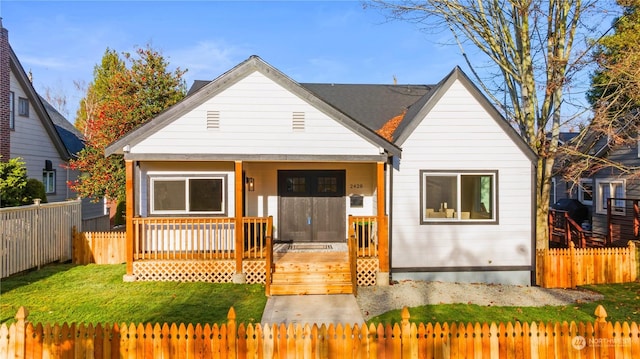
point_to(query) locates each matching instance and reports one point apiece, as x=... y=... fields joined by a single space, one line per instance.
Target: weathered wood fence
x=571 y=267
x=600 y=339
x=35 y=235
x=99 y=247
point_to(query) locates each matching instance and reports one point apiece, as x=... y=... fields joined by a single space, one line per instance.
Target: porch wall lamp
x=251 y=184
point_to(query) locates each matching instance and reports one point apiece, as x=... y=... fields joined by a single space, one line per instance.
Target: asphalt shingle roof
x=371 y=105
x=70 y=136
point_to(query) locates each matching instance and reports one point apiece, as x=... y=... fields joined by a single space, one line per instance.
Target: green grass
x=96 y=294
x=621 y=301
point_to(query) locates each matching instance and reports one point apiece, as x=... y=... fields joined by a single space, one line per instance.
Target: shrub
x=13 y=180
x=34 y=189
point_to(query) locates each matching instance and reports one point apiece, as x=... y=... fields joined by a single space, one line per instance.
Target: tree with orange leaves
x=118 y=100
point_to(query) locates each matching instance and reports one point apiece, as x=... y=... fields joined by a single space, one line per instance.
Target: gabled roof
x=418 y=111
x=385 y=114
x=43 y=113
x=203 y=91
x=372 y=105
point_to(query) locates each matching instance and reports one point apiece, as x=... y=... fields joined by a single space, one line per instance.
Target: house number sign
x=356 y=186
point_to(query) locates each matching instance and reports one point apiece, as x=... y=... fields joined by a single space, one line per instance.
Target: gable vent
x=213 y=120
x=298 y=122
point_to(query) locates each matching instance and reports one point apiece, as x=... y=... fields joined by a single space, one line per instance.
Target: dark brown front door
x=311 y=205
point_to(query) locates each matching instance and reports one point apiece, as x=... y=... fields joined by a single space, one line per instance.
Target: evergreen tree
x=118 y=100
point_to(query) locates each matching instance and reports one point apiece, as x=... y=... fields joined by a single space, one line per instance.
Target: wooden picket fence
x=36 y=235
x=571 y=267
x=99 y=247
x=600 y=339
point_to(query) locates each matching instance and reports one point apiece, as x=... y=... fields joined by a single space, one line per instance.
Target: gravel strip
x=376 y=300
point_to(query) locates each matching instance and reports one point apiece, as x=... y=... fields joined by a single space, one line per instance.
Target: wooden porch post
x=239 y=277
x=383 y=231
x=130 y=205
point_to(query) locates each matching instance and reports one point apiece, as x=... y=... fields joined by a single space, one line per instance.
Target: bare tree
x=615 y=97
x=58 y=99
x=87 y=109
x=530 y=48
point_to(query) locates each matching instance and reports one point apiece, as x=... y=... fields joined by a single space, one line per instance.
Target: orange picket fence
x=600 y=339
x=571 y=267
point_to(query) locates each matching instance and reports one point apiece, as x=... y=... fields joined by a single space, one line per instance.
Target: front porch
x=219 y=250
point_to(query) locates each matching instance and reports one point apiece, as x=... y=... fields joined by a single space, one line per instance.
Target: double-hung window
x=23 y=107
x=585 y=191
x=610 y=188
x=197 y=194
x=49 y=181
x=466 y=196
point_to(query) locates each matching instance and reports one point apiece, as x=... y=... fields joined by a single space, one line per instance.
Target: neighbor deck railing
x=197 y=237
x=365 y=231
x=563 y=229
x=623 y=219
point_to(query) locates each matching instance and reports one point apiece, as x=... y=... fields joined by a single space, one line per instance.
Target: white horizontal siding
x=256 y=118
x=459 y=135
x=31 y=142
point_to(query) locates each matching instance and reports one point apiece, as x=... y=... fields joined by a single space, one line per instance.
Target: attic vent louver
x=213 y=120
x=298 y=122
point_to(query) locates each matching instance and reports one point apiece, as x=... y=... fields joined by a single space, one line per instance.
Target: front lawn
x=96 y=294
x=621 y=301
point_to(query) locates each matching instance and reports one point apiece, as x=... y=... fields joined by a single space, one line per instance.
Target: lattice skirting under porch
x=219 y=271
x=367 y=271
x=255 y=271
x=222 y=271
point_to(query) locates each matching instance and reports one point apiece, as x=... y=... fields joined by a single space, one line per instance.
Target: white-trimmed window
x=12 y=110
x=49 y=181
x=610 y=188
x=198 y=194
x=552 y=194
x=585 y=191
x=465 y=196
x=23 y=107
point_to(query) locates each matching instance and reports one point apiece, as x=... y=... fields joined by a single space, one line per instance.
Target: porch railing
x=365 y=231
x=256 y=231
x=353 y=263
x=197 y=237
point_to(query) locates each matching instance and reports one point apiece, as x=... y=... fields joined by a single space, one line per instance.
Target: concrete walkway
x=319 y=309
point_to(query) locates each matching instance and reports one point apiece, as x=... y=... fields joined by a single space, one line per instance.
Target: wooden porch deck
x=204 y=249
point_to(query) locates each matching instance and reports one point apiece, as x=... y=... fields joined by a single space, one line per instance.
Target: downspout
x=534 y=269
x=389 y=169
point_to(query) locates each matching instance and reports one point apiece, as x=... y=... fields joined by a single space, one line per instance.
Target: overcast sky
x=311 y=41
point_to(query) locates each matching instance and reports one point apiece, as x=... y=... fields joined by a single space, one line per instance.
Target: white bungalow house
x=423 y=181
